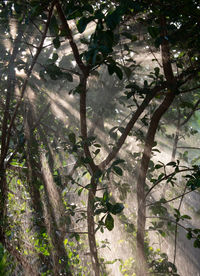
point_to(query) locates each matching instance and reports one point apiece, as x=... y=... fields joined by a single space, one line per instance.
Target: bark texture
x=141 y=198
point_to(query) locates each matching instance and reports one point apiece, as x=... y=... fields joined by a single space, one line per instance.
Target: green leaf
x=56 y=42
x=18 y=8
x=99 y=211
x=82 y=23
x=109 y=222
x=72 y=137
x=69 y=77
x=54 y=57
x=98 y=14
x=189 y=235
x=126 y=48
x=88 y=8
x=157 y=71
x=80 y=191
x=113 y=19
x=158 y=41
x=77 y=236
x=185 y=217
x=110 y=69
x=186 y=104
x=97 y=151
x=118 y=72
x=127 y=71
x=97 y=145
x=118 y=170
x=173 y=164
x=53 y=71
x=117 y=208
x=53 y=27
x=121 y=129
x=163 y=234
x=153 y=31
x=109 y=207
x=118 y=161
x=105 y=196
x=197 y=243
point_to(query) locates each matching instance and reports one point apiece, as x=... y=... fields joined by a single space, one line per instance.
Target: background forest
x=99 y=148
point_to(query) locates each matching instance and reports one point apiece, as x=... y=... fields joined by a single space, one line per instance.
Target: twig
x=155 y=57
x=166 y=177
x=36 y=26
x=191 y=113
x=168 y=219
x=172 y=199
x=130 y=125
x=189 y=90
x=188 y=148
x=176 y=229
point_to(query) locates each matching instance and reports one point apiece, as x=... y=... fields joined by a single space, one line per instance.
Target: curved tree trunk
x=141 y=215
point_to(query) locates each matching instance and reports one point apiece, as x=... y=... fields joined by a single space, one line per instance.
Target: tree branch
x=176 y=229
x=188 y=148
x=167 y=201
x=191 y=113
x=164 y=178
x=168 y=219
x=130 y=125
x=84 y=69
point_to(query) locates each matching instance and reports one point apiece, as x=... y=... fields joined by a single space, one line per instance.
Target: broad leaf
x=109 y=222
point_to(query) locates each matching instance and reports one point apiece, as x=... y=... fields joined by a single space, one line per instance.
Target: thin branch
x=29 y=44
x=172 y=199
x=189 y=90
x=188 y=148
x=84 y=69
x=63 y=69
x=75 y=232
x=155 y=57
x=36 y=26
x=130 y=125
x=191 y=113
x=166 y=177
x=176 y=229
x=50 y=44
x=70 y=71
x=168 y=219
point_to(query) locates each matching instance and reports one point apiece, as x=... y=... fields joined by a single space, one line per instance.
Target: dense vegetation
x=80 y=109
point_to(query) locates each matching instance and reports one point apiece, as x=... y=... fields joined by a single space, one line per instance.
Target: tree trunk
x=53 y=205
x=3 y=204
x=32 y=153
x=5 y=137
x=91 y=229
x=141 y=215
x=54 y=212
x=176 y=138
